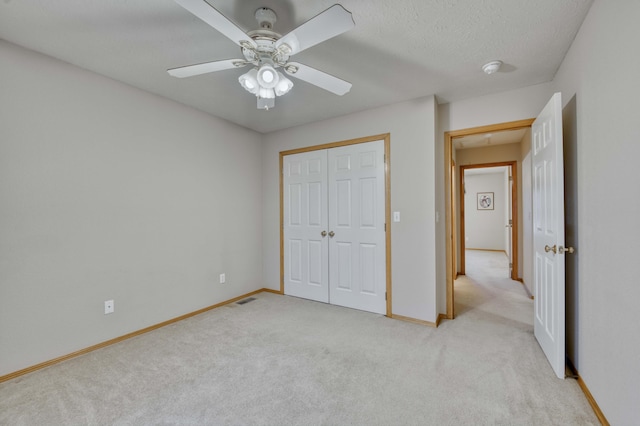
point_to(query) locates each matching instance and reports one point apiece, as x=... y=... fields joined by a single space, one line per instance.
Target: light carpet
x=280 y=360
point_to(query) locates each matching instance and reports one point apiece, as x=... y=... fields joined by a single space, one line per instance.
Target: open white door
x=548 y=233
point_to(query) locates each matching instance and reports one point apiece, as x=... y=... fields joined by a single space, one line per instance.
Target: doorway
x=334 y=210
x=499 y=219
x=451 y=224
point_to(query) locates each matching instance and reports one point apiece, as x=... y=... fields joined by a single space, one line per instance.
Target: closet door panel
x=357 y=257
x=304 y=220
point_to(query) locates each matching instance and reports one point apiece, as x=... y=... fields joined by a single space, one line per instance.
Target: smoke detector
x=491 y=67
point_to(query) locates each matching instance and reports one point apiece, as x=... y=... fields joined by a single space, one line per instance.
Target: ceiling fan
x=267 y=51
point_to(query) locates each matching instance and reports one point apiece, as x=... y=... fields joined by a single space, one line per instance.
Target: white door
x=357 y=255
x=334 y=230
x=305 y=222
x=548 y=233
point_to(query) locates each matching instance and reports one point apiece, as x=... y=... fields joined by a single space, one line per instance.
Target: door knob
x=569 y=250
x=331 y=234
x=323 y=233
x=548 y=249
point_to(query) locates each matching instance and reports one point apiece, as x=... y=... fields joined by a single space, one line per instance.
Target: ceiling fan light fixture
x=267 y=76
x=249 y=81
x=283 y=86
x=266 y=93
x=267 y=50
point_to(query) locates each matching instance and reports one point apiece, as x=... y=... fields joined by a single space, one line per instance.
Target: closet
x=334 y=239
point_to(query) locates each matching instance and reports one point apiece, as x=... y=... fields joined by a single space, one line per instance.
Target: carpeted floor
x=284 y=361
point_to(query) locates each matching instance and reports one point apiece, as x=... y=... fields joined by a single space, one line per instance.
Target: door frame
x=386 y=137
x=514 y=213
x=450 y=231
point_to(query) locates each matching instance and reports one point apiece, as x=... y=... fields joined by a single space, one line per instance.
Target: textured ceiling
x=399 y=50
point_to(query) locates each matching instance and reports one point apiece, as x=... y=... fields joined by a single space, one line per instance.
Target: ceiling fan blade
x=318 y=78
x=328 y=24
x=217 y=20
x=191 y=70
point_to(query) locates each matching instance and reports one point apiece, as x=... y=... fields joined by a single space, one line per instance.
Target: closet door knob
x=331 y=234
x=323 y=233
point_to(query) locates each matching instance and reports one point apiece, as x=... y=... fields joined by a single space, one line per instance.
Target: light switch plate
x=396 y=216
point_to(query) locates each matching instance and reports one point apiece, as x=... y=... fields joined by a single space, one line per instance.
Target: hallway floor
x=487 y=287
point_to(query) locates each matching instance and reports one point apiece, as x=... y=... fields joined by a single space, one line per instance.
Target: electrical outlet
x=223 y=278
x=109 y=307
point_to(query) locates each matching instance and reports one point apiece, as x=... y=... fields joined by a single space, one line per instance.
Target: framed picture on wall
x=485 y=200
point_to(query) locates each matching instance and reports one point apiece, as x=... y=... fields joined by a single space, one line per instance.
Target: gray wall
x=601 y=95
x=485 y=229
x=109 y=192
x=411 y=125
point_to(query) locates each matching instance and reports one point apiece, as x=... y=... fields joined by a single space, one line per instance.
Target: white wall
x=500 y=107
x=484 y=229
x=109 y=192
x=411 y=125
x=601 y=93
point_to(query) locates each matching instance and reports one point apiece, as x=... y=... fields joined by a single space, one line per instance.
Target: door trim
x=450 y=233
x=386 y=137
x=514 y=213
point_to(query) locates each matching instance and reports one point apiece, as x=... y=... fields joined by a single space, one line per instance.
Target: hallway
x=487 y=288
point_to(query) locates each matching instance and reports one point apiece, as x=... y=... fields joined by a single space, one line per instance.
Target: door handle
x=569 y=250
x=331 y=234
x=323 y=233
x=547 y=249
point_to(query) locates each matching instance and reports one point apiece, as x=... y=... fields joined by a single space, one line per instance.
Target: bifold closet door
x=333 y=219
x=305 y=225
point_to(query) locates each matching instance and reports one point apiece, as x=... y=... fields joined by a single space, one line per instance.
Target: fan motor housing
x=266 y=18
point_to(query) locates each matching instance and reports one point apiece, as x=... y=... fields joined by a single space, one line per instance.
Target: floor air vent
x=242 y=302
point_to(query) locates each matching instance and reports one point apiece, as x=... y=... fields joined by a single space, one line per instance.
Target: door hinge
x=385 y=296
x=510 y=178
x=510 y=265
x=385 y=227
x=510 y=221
